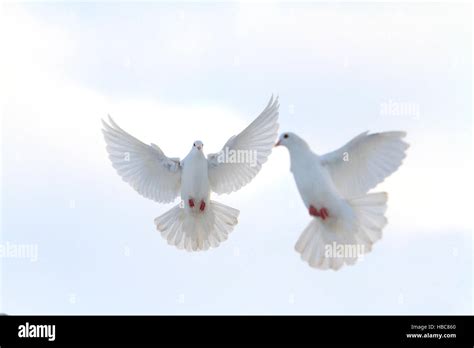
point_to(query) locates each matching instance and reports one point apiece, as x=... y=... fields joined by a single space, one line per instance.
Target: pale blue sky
x=172 y=73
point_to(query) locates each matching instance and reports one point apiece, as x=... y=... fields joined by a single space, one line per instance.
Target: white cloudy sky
x=172 y=73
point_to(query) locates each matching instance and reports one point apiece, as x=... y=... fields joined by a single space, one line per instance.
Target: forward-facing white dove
x=346 y=219
x=197 y=223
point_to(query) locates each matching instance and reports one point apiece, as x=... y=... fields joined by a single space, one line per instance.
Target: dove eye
x=194 y=144
x=285 y=136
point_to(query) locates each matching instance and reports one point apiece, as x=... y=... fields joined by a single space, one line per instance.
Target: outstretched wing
x=242 y=156
x=365 y=161
x=144 y=167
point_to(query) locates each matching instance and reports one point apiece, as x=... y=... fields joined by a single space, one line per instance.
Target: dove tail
x=196 y=230
x=334 y=242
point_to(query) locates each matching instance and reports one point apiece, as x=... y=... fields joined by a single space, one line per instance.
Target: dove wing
x=256 y=142
x=144 y=167
x=365 y=161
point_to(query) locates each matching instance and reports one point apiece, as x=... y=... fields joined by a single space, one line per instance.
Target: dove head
x=290 y=141
x=198 y=145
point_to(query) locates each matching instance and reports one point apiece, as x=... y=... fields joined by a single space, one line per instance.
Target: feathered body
x=195 y=178
x=314 y=182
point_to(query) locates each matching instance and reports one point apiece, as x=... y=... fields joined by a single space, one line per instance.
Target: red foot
x=313 y=211
x=191 y=202
x=322 y=213
x=202 y=206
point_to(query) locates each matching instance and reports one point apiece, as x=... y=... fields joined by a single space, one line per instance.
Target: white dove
x=197 y=223
x=347 y=220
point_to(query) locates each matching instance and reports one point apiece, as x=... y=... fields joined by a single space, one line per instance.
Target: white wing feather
x=144 y=167
x=365 y=161
x=256 y=141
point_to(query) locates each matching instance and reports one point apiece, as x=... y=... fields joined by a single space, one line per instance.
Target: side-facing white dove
x=198 y=222
x=346 y=219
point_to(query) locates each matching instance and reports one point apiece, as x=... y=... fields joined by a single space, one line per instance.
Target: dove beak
x=277 y=144
x=199 y=148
